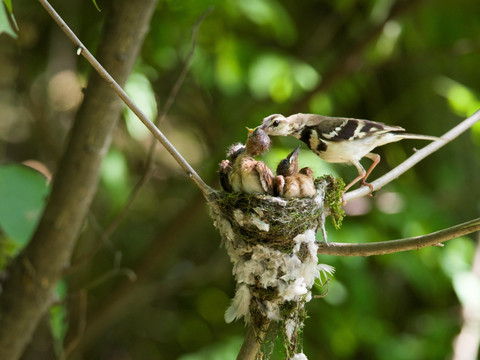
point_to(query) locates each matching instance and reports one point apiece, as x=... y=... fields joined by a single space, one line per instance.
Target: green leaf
x=5 y=26
x=22 y=197
x=8 y=4
x=95 y=3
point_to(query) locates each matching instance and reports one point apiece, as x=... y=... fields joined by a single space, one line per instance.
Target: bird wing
x=307 y=171
x=235 y=150
x=340 y=129
x=278 y=185
x=224 y=170
x=266 y=177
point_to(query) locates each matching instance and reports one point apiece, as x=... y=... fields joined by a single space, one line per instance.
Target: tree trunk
x=32 y=277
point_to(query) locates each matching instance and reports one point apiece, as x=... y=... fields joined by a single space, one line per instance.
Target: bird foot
x=364 y=183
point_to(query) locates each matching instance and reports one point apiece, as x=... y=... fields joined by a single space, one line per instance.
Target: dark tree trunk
x=27 y=292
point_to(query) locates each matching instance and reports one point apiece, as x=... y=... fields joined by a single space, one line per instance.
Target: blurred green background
x=160 y=284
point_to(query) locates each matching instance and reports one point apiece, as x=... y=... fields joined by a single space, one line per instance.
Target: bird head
x=234 y=150
x=289 y=165
x=276 y=124
x=258 y=141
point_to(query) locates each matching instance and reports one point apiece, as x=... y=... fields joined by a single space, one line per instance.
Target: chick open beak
x=293 y=155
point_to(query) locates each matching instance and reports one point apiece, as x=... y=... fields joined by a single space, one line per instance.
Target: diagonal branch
x=415 y=158
x=393 y=246
x=82 y=50
x=105 y=235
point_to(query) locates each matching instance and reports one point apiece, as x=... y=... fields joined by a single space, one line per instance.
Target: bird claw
x=364 y=183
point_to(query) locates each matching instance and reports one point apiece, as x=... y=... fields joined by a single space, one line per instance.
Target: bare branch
x=82 y=324
x=252 y=343
x=82 y=50
x=393 y=246
x=415 y=158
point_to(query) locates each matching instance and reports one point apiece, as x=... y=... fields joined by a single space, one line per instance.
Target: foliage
x=6 y=13
x=22 y=192
x=417 y=69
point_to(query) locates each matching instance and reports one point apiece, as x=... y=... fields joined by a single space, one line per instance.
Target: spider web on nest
x=272 y=245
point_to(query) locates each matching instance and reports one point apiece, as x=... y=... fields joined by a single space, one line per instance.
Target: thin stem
x=394 y=246
x=415 y=158
x=126 y=99
x=82 y=324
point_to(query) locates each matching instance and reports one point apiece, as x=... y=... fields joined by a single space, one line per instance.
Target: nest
x=271 y=243
x=263 y=219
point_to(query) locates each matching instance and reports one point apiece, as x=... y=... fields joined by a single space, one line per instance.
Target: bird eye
x=275 y=123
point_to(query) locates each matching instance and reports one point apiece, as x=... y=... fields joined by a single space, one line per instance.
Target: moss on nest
x=284 y=218
x=333 y=199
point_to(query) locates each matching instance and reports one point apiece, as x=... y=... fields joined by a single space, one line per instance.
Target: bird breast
x=298 y=186
x=245 y=178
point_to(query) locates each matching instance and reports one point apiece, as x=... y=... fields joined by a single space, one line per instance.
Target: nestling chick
x=248 y=175
x=225 y=166
x=339 y=140
x=291 y=183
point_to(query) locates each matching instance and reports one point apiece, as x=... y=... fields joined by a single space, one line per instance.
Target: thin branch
x=415 y=158
x=350 y=59
x=394 y=246
x=82 y=50
x=186 y=66
x=81 y=326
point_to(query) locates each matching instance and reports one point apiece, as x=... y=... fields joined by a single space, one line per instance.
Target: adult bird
x=339 y=140
x=248 y=175
x=291 y=182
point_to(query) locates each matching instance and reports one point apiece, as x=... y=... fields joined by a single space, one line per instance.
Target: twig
x=186 y=66
x=350 y=60
x=415 y=158
x=82 y=324
x=82 y=50
x=393 y=246
x=116 y=270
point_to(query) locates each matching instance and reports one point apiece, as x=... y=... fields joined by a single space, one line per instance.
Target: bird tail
x=417 y=136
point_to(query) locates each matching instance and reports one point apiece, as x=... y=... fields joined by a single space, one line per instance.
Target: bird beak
x=293 y=155
x=249 y=130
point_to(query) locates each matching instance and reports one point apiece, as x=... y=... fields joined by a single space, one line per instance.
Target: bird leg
x=361 y=175
x=376 y=159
